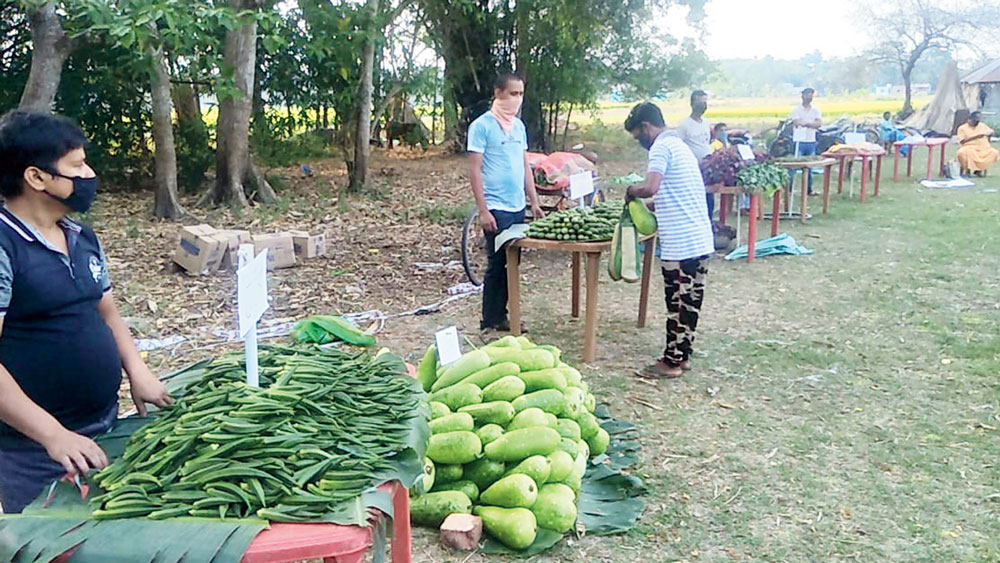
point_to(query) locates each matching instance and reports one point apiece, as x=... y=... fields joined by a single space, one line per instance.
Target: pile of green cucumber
x=321 y=427
x=578 y=224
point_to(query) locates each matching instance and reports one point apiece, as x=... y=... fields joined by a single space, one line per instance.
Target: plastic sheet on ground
x=957 y=183
x=781 y=244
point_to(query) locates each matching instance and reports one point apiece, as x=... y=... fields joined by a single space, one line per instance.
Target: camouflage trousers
x=684 y=287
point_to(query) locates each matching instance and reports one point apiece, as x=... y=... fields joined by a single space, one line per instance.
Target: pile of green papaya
x=512 y=428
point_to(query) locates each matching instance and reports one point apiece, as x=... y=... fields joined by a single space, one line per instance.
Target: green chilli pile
x=319 y=431
x=578 y=224
x=512 y=429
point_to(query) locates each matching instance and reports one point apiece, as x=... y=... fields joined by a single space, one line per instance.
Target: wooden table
x=593 y=251
x=726 y=194
x=930 y=143
x=827 y=165
x=865 y=156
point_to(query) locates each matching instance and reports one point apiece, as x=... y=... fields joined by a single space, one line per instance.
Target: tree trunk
x=908 y=88
x=166 y=204
x=50 y=47
x=359 y=173
x=234 y=171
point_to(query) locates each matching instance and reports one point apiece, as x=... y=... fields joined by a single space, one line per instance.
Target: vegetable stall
x=334 y=437
x=606 y=227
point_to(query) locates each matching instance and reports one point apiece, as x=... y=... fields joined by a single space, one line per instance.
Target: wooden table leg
x=647 y=273
x=402 y=547
x=514 y=287
x=864 y=177
x=840 y=180
x=895 y=163
x=752 y=229
x=590 y=327
x=576 y=285
x=878 y=173
x=723 y=208
x=776 y=213
x=827 y=172
x=942 y=159
x=930 y=161
x=909 y=160
x=806 y=174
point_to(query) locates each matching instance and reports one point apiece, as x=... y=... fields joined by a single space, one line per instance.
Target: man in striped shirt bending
x=673 y=180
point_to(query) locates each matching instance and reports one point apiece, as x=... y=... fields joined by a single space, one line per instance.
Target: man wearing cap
x=807 y=119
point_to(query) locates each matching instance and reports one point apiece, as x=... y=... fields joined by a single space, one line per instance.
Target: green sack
x=624 y=262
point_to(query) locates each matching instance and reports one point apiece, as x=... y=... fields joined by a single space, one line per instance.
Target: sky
x=783 y=29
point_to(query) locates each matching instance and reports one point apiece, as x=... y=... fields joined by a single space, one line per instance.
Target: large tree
x=50 y=47
x=910 y=29
x=568 y=51
x=236 y=177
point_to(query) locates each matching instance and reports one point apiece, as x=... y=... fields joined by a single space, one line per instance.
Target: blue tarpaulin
x=781 y=244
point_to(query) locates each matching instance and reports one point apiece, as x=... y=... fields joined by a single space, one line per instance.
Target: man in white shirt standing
x=673 y=180
x=807 y=119
x=697 y=135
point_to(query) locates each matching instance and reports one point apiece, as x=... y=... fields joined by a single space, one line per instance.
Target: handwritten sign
x=251 y=292
x=581 y=185
x=746 y=153
x=854 y=138
x=449 y=348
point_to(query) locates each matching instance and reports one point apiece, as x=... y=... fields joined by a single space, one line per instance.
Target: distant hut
x=981 y=87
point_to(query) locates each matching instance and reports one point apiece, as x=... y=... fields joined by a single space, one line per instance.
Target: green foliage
x=276 y=151
x=15 y=57
x=764 y=177
x=194 y=156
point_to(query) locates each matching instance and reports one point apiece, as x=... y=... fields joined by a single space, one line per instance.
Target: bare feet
x=686 y=365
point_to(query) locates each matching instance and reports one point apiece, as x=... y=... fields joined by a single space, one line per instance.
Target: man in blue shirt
x=63 y=343
x=501 y=178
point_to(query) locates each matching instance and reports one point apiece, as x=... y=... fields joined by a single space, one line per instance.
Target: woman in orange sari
x=975 y=154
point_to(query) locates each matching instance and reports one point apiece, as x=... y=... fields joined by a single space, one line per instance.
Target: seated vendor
x=63 y=343
x=975 y=154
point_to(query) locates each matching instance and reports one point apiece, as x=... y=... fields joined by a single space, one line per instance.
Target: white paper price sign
x=746 y=153
x=854 y=138
x=581 y=185
x=449 y=348
x=251 y=292
x=800 y=134
x=251 y=303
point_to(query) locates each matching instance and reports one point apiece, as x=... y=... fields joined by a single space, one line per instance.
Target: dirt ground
x=844 y=404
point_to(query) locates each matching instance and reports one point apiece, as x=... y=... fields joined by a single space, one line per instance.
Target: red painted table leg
x=864 y=177
x=895 y=163
x=752 y=228
x=909 y=160
x=930 y=161
x=942 y=159
x=402 y=547
x=840 y=179
x=776 y=213
x=806 y=175
x=878 y=172
x=723 y=208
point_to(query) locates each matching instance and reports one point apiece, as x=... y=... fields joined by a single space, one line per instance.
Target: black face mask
x=84 y=192
x=700 y=108
x=645 y=142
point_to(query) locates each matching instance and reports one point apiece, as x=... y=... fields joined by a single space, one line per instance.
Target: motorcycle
x=826 y=136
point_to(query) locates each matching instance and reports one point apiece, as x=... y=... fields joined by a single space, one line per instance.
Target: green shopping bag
x=624 y=262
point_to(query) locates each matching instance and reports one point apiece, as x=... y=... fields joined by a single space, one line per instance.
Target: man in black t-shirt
x=63 y=344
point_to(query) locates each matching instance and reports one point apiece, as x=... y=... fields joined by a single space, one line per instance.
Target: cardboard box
x=200 y=249
x=280 y=249
x=235 y=239
x=308 y=245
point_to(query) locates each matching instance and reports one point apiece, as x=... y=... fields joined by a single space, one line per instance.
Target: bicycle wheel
x=474 y=258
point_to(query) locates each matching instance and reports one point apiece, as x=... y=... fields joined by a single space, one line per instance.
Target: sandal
x=660 y=370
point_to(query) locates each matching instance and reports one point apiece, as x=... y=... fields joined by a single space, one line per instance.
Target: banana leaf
x=40 y=539
x=608 y=502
